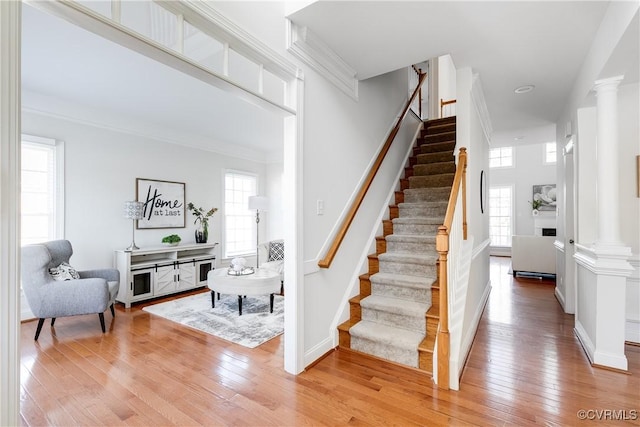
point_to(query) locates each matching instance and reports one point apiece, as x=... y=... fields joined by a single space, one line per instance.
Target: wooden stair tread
x=345 y=326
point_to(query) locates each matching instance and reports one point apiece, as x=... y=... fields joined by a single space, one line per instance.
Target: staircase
x=395 y=316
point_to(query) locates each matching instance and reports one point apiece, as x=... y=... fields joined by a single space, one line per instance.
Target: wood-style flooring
x=526 y=367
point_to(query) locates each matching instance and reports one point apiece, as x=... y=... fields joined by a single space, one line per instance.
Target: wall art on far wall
x=163 y=203
x=546 y=194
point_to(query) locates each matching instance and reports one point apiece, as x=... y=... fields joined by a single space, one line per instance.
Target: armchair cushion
x=64 y=272
x=276 y=250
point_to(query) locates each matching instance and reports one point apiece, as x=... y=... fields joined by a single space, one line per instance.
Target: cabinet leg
x=271 y=303
x=240 y=305
x=213 y=299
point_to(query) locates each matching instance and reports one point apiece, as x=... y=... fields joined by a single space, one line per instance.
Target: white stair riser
x=398 y=355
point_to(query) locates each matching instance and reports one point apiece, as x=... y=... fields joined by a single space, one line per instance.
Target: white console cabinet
x=152 y=272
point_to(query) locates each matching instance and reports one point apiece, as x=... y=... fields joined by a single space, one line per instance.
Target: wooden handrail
x=337 y=240
x=443 y=103
x=442 y=246
x=419 y=72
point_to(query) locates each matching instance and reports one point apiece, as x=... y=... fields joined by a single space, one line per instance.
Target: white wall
x=472 y=133
x=101 y=167
x=336 y=158
x=529 y=170
x=586 y=201
x=629 y=135
x=273 y=187
x=446 y=80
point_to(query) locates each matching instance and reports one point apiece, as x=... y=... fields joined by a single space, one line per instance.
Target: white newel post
x=602 y=267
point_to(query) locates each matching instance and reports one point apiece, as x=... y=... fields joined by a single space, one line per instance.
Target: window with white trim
x=239 y=221
x=42 y=170
x=501 y=157
x=500 y=216
x=550 y=155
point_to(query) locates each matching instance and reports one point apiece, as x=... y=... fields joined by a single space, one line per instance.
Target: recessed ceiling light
x=524 y=89
x=518 y=138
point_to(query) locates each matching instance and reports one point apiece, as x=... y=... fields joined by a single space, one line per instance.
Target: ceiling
x=508 y=43
x=71 y=72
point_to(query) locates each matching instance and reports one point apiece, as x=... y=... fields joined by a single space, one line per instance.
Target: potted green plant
x=172 y=239
x=202 y=220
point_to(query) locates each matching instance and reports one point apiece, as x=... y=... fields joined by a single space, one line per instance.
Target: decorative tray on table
x=244 y=272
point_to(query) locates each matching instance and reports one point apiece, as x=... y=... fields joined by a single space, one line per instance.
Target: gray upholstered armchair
x=92 y=293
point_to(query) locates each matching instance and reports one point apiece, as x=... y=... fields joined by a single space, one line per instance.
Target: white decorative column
x=603 y=267
x=607 y=155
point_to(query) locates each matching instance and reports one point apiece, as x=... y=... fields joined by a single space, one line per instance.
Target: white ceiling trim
x=197 y=11
x=311 y=50
x=111 y=30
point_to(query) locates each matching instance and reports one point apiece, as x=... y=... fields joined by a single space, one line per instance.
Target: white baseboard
x=560 y=298
x=318 y=351
x=585 y=341
x=610 y=360
x=500 y=251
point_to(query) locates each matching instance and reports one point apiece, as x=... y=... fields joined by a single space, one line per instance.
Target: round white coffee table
x=262 y=282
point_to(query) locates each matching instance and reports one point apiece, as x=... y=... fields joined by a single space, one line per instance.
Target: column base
x=601 y=292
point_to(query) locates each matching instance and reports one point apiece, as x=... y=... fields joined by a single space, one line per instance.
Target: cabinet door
x=186 y=277
x=165 y=280
x=141 y=284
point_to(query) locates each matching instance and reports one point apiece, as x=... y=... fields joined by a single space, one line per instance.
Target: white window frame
x=546 y=151
x=58 y=177
x=511 y=214
x=503 y=157
x=225 y=251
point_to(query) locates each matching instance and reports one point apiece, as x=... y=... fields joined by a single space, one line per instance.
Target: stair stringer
x=342 y=315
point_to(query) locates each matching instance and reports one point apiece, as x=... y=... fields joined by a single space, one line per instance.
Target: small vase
x=202 y=233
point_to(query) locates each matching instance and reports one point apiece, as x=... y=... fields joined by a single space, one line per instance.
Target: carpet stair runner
x=396 y=314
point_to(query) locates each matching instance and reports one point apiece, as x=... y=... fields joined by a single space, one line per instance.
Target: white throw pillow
x=64 y=272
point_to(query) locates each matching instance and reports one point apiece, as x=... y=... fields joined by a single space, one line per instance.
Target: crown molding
x=306 y=46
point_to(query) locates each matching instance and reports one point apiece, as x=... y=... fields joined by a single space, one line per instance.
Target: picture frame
x=164 y=203
x=483 y=191
x=546 y=195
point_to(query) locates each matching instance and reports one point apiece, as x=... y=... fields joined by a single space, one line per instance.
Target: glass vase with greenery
x=202 y=217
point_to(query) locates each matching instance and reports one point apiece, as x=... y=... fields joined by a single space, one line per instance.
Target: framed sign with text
x=163 y=203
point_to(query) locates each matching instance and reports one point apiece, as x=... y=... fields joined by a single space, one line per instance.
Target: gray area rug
x=254 y=327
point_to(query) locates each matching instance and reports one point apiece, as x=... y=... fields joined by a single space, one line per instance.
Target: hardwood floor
x=526 y=367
